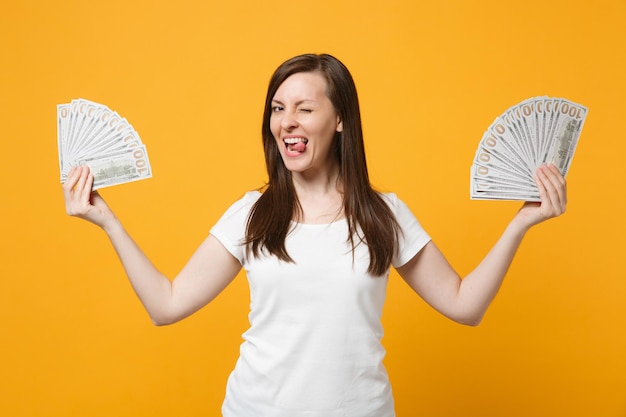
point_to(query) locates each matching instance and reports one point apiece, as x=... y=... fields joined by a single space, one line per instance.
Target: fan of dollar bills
x=91 y=134
x=536 y=131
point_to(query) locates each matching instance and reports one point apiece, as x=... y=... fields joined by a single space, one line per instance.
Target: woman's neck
x=320 y=197
x=317 y=183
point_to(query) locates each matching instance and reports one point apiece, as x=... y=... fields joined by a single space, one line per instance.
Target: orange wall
x=191 y=77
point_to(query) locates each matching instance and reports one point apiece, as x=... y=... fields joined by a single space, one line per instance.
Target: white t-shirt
x=313 y=347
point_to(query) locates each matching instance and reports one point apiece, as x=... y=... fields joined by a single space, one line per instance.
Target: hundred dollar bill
x=566 y=133
x=562 y=151
x=533 y=132
x=91 y=134
x=63 y=116
x=119 y=167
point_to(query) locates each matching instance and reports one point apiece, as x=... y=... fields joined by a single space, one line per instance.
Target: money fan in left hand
x=539 y=130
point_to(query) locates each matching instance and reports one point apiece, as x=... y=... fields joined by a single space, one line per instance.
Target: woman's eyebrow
x=303 y=101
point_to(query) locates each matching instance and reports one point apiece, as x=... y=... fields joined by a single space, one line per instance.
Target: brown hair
x=270 y=218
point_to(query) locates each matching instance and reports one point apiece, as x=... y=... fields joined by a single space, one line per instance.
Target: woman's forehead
x=302 y=86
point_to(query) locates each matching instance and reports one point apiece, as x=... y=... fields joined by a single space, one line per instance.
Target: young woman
x=316 y=243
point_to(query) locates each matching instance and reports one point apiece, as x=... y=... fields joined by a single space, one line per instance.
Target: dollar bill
x=119 y=167
x=89 y=133
x=533 y=132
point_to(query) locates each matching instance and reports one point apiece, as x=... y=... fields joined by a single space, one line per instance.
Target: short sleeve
x=413 y=237
x=230 y=229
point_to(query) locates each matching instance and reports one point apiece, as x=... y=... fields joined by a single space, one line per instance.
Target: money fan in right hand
x=536 y=131
x=91 y=134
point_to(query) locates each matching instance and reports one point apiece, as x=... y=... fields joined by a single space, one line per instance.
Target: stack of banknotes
x=91 y=134
x=536 y=131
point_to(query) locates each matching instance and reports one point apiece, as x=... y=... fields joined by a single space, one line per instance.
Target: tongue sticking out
x=297 y=147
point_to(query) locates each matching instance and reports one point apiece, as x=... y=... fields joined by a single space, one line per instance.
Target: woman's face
x=303 y=122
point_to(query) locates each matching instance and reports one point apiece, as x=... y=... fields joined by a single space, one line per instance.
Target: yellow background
x=191 y=77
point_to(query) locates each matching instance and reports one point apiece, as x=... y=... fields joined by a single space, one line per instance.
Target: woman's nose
x=289 y=121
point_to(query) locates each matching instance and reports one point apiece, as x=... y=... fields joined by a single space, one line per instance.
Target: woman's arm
x=206 y=274
x=466 y=300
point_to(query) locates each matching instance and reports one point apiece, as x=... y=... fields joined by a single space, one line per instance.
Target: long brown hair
x=271 y=216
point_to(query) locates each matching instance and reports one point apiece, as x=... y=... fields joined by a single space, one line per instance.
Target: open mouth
x=296 y=145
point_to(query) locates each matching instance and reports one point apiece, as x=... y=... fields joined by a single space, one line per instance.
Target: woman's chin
x=295 y=164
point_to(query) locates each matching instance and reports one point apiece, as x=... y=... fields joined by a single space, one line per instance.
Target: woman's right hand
x=81 y=202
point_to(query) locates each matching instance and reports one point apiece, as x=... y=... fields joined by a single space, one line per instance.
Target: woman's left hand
x=553 y=193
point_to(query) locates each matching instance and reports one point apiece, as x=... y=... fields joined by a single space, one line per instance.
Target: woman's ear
x=339 y=126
